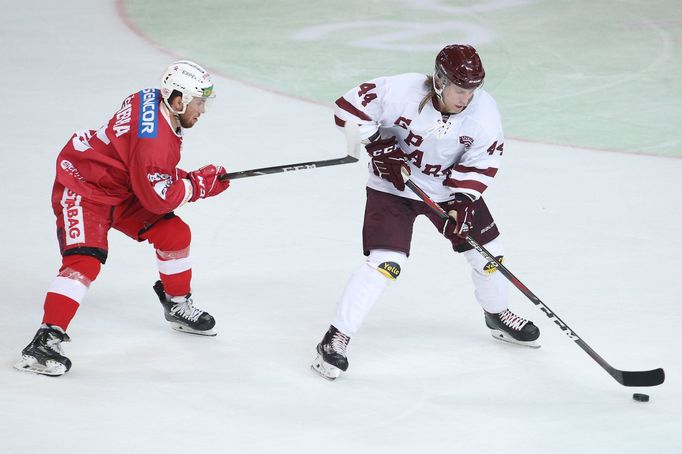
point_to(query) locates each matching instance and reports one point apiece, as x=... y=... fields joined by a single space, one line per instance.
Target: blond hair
x=431 y=92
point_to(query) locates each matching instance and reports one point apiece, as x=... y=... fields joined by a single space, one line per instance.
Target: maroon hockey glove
x=206 y=182
x=387 y=160
x=461 y=216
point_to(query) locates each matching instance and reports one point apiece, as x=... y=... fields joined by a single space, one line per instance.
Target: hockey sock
x=364 y=288
x=171 y=238
x=59 y=310
x=491 y=288
x=177 y=284
x=68 y=289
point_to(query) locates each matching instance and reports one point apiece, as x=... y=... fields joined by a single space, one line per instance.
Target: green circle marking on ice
x=589 y=74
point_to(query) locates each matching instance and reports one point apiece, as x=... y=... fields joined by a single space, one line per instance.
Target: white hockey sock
x=491 y=287
x=363 y=289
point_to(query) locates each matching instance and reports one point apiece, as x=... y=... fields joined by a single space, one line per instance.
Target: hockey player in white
x=446 y=131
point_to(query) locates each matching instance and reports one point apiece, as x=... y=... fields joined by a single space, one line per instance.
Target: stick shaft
x=626 y=378
x=288 y=168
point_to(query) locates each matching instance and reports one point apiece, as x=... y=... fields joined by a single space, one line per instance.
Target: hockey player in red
x=446 y=131
x=124 y=175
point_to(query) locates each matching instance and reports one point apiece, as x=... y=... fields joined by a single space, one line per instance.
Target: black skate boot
x=182 y=315
x=509 y=327
x=331 y=354
x=44 y=354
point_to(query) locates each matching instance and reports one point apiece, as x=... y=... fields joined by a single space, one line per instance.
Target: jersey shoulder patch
x=148 y=119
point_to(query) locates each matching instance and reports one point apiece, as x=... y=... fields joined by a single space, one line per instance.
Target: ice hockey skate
x=331 y=357
x=509 y=327
x=182 y=315
x=44 y=354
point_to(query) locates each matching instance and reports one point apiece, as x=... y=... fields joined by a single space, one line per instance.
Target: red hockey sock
x=171 y=238
x=69 y=288
x=59 y=310
x=177 y=284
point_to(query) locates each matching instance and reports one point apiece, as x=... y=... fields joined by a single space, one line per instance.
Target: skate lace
x=339 y=343
x=54 y=343
x=186 y=310
x=512 y=320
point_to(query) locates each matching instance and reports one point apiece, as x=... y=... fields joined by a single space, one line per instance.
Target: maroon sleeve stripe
x=339 y=122
x=467 y=184
x=351 y=109
x=490 y=171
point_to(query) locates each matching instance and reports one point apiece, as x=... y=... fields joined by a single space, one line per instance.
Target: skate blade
x=325 y=370
x=186 y=329
x=504 y=337
x=30 y=364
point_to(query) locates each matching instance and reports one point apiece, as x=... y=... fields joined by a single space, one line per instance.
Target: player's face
x=455 y=99
x=195 y=108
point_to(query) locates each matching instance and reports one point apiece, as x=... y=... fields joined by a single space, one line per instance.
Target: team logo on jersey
x=161 y=182
x=491 y=267
x=148 y=124
x=466 y=141
x=389 y=269
x=73 y=217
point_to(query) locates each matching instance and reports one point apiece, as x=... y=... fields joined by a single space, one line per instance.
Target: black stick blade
x=639 y=378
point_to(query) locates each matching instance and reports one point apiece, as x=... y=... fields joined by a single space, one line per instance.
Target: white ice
x=594 y=234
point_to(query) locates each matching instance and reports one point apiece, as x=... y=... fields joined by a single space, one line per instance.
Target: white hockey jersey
x=466 y=148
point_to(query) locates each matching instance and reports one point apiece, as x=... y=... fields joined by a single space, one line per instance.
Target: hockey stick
x=626 y=378
x=353 y=148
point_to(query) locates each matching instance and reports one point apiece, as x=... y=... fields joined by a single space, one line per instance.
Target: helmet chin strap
x=438 y=91
x=173 y=111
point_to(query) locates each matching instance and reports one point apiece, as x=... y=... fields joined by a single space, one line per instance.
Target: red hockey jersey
x=134 y=155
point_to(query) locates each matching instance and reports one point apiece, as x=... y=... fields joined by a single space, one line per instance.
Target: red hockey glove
x=387 y=160
x=461 y=216
x=206 y=182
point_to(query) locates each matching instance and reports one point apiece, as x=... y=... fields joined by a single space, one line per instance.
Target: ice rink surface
x=594 y=234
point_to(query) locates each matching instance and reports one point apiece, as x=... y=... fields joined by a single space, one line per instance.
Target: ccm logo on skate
x=147 y=127
x=389 y=269
x=73 y=217
x=491 y=267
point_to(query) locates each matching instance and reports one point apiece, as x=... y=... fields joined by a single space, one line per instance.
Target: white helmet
x=188 y=78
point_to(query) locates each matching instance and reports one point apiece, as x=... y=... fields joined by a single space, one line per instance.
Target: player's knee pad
x=387 y=262
x=83 y=268
x=479 y=264
x=170 y=234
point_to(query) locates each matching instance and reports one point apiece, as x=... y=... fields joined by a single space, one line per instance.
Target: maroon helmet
x=460 y=65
